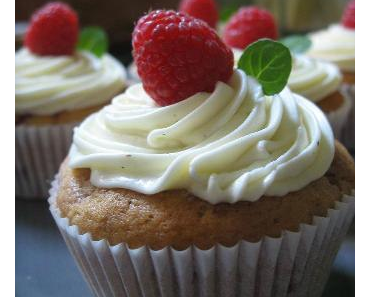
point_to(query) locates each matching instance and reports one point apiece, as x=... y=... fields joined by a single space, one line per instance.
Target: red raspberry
x=248 y=25
x=53 y=30
x=205 y=10
x=348 y=18
x=178 y=56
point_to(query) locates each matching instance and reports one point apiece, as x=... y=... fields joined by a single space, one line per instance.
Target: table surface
x=44 y=267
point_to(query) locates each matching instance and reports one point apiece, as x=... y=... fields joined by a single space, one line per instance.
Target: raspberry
x=248 y=25
x=205 y=10
x=53 y=30
x=178 y=56
x=348 y=18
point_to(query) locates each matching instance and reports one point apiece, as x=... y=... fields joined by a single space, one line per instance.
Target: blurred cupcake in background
x=61 y=76
x=320 y=82
x=336 y=44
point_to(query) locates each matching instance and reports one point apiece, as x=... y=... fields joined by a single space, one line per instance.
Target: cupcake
x=185 y=186
x=57 y=84
x=320 y=82
x=336 y=44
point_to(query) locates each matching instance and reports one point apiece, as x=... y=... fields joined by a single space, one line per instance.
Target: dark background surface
x=44 y=267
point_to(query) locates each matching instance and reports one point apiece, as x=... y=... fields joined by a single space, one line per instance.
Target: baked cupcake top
x=335 y=44
x=314 y=79
x=46 y=85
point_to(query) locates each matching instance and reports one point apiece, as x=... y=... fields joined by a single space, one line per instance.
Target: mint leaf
x=268 y=61
x=227 y=11
x=94 y=40
x=297 y=43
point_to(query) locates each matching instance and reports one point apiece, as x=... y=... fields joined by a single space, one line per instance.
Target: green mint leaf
x=297 y=43
x=94 y=40
x=268 y=61
x=227 y=11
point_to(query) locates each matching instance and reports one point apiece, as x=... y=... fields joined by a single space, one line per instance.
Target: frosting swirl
x=335 y=44
x=48 y=85
x=230 y=145
x=313 y=79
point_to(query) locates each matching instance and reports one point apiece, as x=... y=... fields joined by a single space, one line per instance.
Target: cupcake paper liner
x=39 y=151
x=348 y=134
x=339 y=118
x=295 y=264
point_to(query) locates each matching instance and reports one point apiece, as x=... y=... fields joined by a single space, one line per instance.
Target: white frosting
x=48 y=85
x=314 y=79
x=230 y=145
x=335 y=44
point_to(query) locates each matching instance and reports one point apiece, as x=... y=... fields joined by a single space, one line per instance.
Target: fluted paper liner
x=295 y=264
x=338 y=119
x=39 y=151
x=348 y=133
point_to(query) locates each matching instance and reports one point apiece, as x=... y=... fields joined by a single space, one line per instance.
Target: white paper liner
x=339 y=118
x=295 y=264
x=348 y=134
x=39 y=151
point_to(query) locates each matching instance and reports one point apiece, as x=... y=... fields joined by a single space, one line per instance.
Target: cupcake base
x=349 y=78
x=294 y=264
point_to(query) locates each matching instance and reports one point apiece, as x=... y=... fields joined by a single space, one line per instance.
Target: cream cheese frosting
x=314 y=79
x=234 y=144
x=335 y=44
x=48 y=85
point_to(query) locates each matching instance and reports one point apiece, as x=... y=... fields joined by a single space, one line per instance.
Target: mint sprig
x=268 y=61
x=297 y=43
x=93 y=39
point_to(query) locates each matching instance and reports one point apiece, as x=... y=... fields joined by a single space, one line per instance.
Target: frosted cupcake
x=336 y=44
x=320 y=82
x=186 y=186
x=56 y=87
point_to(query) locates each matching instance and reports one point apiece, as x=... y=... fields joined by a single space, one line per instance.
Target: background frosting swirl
x=335 y=44
x=48 y=85
x=230 y=145
x=313 y=79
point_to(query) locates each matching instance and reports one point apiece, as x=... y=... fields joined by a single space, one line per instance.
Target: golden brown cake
x=331 y=102
x=65 y=117
x=179 y=219
x=349 y=77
